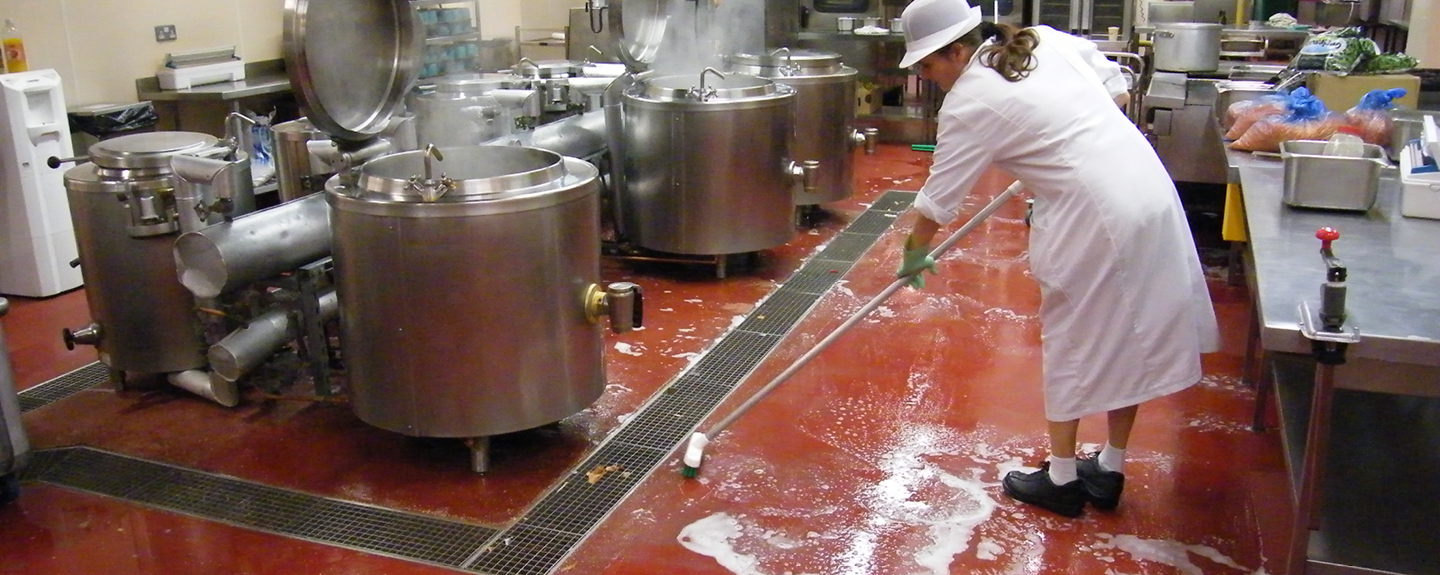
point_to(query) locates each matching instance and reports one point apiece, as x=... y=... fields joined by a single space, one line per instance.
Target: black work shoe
x=1102 y=488
x=1037 y=489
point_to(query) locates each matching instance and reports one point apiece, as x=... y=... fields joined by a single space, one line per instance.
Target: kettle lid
x=351 y=62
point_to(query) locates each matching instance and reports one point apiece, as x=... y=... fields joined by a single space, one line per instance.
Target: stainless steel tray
x=1315 y=180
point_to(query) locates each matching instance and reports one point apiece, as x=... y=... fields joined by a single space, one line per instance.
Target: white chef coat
x=1124 y=310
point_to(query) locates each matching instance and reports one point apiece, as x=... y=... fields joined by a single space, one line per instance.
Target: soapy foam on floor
x=1168 y=552
x=927 y=502
x=914 y=496
x=713 y=536
x=1210 y=422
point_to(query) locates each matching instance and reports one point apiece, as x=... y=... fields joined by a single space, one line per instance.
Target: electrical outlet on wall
x=165 y=33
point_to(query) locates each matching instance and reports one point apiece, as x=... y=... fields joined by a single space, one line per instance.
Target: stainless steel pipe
x=222 y=188
x=207 y=385
x=227 y=256
x=583 y=136
x=246 y=348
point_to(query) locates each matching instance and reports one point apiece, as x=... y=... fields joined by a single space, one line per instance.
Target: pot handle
x=1164 y=34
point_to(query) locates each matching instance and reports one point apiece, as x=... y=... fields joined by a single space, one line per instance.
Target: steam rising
x=699 y=34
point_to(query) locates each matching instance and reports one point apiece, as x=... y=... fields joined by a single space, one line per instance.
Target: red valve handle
x=1326 y=235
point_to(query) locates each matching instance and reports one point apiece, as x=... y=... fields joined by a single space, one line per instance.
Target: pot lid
x=547 y=69
x=351 y=61
x=639 y=27
x=787 y=62
x=148 y=150
x=691 y=87
x=471 y=83
x=470 y=173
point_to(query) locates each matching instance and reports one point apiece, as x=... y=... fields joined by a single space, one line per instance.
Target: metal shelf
x=1375 y=517
x=837 y=35
x=444 y=50
x=466 y=37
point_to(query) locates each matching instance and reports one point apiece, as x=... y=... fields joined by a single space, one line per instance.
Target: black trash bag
x=112 y=122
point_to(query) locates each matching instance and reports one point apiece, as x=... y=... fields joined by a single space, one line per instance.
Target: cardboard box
x=1340 y=93
x=867 y=99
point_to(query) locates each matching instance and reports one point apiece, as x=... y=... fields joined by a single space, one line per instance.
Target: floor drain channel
x=260 y=507
x=540 y=540
x=62 y=387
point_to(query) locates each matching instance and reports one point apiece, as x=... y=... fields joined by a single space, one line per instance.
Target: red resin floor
x=882 y=456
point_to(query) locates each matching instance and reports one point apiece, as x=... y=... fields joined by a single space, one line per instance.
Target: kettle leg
x=479 y=453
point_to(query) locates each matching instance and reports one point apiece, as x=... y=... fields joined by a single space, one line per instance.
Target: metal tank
x=520 y=103
x=469 y=289
x=707 y=163
x=295 y=167
x=447 y=119
x=127 y=211
x=824 y=114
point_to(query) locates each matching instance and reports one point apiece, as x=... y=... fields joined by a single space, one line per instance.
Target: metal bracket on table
x=1310 y=322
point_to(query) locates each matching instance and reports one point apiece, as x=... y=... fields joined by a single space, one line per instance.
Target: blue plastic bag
x=1371 y=117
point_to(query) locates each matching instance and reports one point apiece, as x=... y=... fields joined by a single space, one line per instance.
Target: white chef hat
x=933 y=24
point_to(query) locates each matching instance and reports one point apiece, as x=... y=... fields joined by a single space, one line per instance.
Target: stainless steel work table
x=1367 y=496
x=203 y=108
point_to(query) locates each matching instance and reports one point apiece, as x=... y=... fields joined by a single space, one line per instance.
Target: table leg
x=1308 y=503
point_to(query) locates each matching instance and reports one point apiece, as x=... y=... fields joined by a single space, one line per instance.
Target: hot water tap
x=621 y=301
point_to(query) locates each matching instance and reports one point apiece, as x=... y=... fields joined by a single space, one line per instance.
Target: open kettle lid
x=351 y=62
x=639 y=27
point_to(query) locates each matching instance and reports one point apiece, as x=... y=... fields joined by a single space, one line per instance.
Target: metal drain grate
x=261 y=507
x=64 y=386
x=547 y=533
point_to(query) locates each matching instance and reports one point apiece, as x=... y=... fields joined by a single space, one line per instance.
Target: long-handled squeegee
x=695 y=451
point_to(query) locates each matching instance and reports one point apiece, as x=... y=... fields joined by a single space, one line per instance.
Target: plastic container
x=14 y=49
x=1345 y=143
x=1420 y=192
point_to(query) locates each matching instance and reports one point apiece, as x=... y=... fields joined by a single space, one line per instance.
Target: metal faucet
x=237 y=130
x=789 y=68
x=703 y=92
x=429 y=188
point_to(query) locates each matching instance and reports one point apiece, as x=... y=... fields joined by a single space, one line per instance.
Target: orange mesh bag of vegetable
x=1372 y=115
x=1241 y=115
x=1306 y=119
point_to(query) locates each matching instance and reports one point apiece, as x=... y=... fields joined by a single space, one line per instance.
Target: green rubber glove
x=917 y=259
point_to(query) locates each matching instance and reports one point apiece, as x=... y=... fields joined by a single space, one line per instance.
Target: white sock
x=1062 y=470
x=1112 y=458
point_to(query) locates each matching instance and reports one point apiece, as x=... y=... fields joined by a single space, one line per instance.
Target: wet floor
x=881 y=456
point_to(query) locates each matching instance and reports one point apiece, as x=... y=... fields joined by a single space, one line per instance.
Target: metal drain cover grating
x=261 y=507
x=64 y=386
